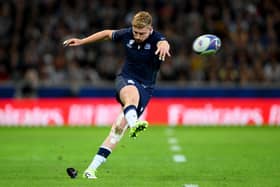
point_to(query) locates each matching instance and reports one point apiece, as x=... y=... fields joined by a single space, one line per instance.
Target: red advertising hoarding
x=160 y=111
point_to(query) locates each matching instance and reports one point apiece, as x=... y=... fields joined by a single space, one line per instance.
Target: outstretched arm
x=163 y=48
x=102 y=35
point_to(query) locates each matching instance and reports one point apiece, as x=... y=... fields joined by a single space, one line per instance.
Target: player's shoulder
x=122 y=32
x=127 y=30
x=157 y=35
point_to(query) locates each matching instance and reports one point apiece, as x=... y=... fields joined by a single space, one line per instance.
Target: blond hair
x=142 y=19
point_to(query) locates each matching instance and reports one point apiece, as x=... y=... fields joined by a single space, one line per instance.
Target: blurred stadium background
x=34 y=64
x=44 y=84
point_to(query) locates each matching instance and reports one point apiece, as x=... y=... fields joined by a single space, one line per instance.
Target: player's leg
x=115 y=135
x=117 y=131
x=130 y=97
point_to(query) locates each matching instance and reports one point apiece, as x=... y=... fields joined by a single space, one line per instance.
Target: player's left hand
x=72 y=42
x=162 y=50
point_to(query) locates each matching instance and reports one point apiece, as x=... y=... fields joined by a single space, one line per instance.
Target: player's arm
x=163 y=49
x=102 y=35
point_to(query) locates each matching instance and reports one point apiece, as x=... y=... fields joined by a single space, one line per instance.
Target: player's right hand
x=72 y=42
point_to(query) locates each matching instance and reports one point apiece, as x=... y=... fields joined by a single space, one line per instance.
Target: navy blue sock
x=104 y=152
x=128 y=108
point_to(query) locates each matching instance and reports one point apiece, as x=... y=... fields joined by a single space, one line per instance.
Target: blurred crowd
x=32 y=32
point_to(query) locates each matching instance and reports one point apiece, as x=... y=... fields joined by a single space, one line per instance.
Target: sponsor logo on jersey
x=130 y=43
x=130 y=81
x=147 y=46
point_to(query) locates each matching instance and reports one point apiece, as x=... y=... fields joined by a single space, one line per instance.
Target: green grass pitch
x=215 y=156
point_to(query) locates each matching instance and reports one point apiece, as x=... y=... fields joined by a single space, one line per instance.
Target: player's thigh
x=143 y=93
x=127 y=92
x=129 y=95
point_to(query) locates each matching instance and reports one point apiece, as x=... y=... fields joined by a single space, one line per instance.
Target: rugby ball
x=206 y=44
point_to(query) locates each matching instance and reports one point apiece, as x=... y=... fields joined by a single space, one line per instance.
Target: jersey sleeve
x=159 y=37
x=118 y=35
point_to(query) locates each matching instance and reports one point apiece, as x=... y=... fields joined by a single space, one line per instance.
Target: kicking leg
x=129 y=96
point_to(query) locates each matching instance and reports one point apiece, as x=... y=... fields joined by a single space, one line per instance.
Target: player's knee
x=130 y=100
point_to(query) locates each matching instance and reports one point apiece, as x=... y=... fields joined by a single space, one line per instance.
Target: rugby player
x=145 y=50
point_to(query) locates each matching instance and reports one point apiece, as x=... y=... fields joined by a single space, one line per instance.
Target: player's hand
x=72 y=42
x=162 y=50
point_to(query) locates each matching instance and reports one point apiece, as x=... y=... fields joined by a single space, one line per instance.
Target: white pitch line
x=172 y=140
x=191 y=185
x=179 y=158
x=175 y=148
x=169 y=132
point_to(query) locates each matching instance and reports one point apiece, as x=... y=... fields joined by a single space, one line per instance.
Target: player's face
x=140 y=35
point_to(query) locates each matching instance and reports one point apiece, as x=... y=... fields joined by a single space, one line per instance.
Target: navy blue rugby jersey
x=141 y=63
